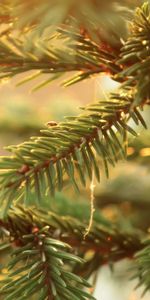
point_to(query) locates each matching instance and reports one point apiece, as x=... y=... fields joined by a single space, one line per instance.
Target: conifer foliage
x=47 y=251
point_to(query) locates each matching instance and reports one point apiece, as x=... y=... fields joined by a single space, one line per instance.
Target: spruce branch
x=142 y=267
x=62 y=52
x=38 y=166
x=107 y=243
x=136 y=55
x=79 y=50
x=42 y=272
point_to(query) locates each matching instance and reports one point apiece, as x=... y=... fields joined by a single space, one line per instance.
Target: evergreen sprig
x=38 y=166
x=57 y=54
x=142 y=267
x=106 y=242
x=36 y=268
x=136 y=55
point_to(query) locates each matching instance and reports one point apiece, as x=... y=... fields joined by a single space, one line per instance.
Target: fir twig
x=66 y=147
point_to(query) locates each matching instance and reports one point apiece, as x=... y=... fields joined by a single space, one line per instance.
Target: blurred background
x=124 y=198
